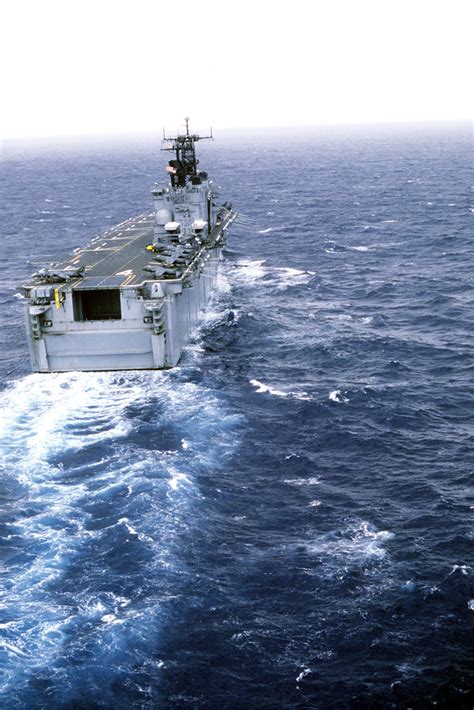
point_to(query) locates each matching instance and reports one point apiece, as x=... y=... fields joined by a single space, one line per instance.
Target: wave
x=280 y=278
x=360 y=544
x=101 y=473
x=333 y=247
x=272 y=229
x=337 y=396
x=261 y=388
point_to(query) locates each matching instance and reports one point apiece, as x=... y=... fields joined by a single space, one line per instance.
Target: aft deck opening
x=99 y=304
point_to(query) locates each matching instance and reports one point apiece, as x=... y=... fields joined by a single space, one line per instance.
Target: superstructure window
x=101 y=304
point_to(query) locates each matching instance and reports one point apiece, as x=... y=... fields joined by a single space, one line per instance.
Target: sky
x=115 y=66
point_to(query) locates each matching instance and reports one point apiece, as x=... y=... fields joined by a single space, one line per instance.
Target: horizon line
x=114 y=134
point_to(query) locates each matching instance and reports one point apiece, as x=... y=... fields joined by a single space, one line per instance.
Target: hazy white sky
x=109 y=66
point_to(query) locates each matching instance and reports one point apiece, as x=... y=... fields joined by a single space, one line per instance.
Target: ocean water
x=282 y=521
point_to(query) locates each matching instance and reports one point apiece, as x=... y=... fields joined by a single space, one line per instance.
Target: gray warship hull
x=130 y=299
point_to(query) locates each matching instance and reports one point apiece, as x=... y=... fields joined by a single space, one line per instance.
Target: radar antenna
x=183 y=145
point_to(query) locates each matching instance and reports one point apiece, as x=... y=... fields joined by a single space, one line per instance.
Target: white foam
x=357 y=544
x=265 y=231
x=464 y=569
x=177 y=480
x=42 y=414
x=312 y=481
x=44 y=418
x=303 y=674
x=470 y=605
x=249 y=270
x=337 y=396
x=215 y=316
x=265 y=388
x=256 y=273
x=262 y=388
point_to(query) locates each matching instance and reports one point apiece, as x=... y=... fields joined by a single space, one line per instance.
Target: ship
x=131 y=298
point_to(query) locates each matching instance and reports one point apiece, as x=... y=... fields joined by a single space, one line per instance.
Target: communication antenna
x=183 y=146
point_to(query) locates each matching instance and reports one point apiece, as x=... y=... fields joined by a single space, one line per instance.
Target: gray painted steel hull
x=130 y=299
x=128 y=344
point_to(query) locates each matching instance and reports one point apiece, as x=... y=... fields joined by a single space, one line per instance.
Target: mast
x=183 y=146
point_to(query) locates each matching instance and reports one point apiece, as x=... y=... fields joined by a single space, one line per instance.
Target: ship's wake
x=256 y=272
x=101 y=482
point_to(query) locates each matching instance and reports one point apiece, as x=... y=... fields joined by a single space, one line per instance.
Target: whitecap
x=464 y=569
x=265 y=388
x=255 y=272
x=357 y=544
x=303 y=674
x=470 y=605
x=265 y=231
x=262 y=388
x=177 y=479
x=312 y=481
x=336 y=396
x=250 y=271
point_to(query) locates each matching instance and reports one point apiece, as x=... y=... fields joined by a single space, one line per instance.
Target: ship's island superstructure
x=130 y=299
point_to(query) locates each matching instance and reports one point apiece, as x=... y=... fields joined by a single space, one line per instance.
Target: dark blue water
x=283 y=520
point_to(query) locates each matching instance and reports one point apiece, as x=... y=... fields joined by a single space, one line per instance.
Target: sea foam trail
x=280 y=278
x=101 y=487
x=360 y=544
